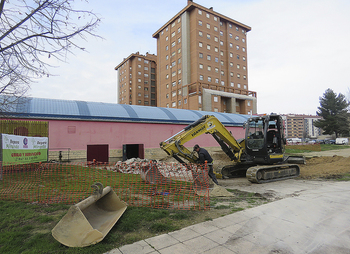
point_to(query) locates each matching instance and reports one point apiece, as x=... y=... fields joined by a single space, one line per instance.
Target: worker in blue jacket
x=203 y=156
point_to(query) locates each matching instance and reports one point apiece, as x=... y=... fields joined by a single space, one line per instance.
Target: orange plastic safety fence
x=142 y=184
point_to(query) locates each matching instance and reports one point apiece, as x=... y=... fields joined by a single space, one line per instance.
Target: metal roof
x=39 y=108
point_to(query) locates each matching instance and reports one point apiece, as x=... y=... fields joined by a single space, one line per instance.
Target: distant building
x=137 y=79
x=202 y=62
x=301 y=126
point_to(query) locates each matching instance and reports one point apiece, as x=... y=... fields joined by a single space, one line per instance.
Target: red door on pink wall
x=97 y=152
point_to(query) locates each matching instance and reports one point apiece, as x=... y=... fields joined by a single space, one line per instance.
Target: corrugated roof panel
x=99 y=109
x=55 y=107
x=52 y=108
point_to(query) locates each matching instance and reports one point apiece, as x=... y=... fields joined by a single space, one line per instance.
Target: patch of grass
x=345 y=177
x=292 y=149
x=26 y=227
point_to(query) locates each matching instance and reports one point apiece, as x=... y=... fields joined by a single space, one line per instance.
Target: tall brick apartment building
x=202 y=62
x=137 y=79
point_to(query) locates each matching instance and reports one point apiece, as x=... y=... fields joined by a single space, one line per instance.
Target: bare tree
x=31 y=31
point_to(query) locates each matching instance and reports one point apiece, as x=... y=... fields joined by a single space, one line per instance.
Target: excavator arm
x=174 y=145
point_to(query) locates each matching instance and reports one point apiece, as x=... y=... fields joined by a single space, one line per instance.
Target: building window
x=232 y=84
x=200 y=22
x=238 y=75
x=173 y=104
x=216 y=39
x=200 y=44
x=231 y=74
x=208 y=26
x=243 y=40
x=208 y=57
x=185 y=101
x=173 y=94
x=216 y=99
x=215 y=28
x=216 y=59
x=243 y=49
x=200 y=77
x=208 y=36
x=209 y=79
x=208 y=16
x=173 y=44
x=248 y=103
x=222 y=82
x=209 y=68
x=208 y=47
x=230 y=35
x=179 y=103
x=217 y=80
x=200 y=66
x=238 y=66
x=199 y=12
x=231 y=45
x=222 y=73
x=200 y=33
x=173 y=34
x=237 y=47
x=200 y=55
x=221 y=33
x=215 y=18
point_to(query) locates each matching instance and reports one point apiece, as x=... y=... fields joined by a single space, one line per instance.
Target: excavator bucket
x=90 y=220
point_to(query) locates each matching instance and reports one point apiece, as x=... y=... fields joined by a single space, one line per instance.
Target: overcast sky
x=296 y=49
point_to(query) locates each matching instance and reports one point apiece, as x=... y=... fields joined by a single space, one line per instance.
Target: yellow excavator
x=260 y=156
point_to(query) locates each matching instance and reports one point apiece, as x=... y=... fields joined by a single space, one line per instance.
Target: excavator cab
x=265 y=139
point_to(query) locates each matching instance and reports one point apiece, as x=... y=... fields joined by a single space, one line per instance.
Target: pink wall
x=115 y=134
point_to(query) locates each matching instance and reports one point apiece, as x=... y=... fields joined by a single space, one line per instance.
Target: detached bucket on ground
x=90 y=220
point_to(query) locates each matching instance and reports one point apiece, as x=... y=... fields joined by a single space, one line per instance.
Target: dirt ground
x=318 y=165
x=229 y=196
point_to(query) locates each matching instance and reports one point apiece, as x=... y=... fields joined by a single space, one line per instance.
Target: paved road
x=313 y=217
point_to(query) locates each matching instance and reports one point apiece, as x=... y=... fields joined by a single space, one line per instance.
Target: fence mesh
x=142 y=184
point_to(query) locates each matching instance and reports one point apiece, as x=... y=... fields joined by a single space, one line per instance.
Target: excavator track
x=272 y=173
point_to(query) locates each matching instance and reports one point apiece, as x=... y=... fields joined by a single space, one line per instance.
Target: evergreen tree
x=333 y=110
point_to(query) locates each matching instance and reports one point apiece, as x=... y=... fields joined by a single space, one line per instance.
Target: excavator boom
x=174 y=145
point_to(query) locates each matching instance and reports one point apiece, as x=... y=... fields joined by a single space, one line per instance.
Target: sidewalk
x=312 y=220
